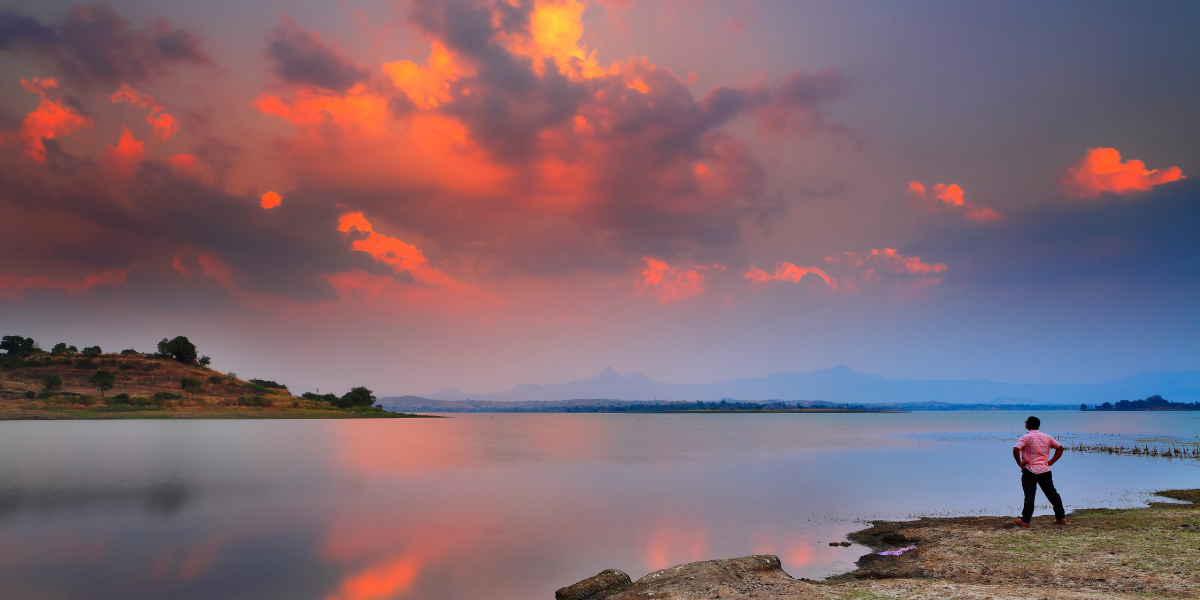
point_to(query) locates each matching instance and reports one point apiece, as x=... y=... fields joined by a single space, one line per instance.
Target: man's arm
x=1057 y=455
x=1021 y=463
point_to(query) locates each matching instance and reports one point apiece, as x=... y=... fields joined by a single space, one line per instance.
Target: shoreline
x=1108 y=553
x=170 y=413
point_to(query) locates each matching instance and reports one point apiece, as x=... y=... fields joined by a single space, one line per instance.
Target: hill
x=147 y=385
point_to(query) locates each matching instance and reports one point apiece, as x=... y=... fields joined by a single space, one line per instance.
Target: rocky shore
x=1130 y=553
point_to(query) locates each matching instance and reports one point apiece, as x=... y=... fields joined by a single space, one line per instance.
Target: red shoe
x=1019 y=522
x=1062 y=521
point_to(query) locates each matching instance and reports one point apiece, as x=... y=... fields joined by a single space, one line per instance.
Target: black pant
x=1029 y=483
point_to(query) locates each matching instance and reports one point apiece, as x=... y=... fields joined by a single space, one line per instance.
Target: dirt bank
x=1130 y=553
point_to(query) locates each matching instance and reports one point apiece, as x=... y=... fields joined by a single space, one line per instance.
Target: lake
x=508 y=506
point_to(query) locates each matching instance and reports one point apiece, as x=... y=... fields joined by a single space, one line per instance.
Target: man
x=1032 y=453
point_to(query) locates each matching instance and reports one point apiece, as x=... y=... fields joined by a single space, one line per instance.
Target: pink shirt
x=1035 y=449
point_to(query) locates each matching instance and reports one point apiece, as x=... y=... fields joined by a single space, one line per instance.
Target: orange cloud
x=49 y=120
x=951 y=195
x=427 y=86
x=271 y=200
x=184 y=163
x=401 y=256
x=669 y=284
x=164 y=124
x=890 y=259
x=11 y=286
x=217 y=269
x=177 y=264
x=1101 y=171
x=124 y=157
x=789 y=272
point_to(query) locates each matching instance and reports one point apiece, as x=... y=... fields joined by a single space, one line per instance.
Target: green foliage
x=268 y=384
x=59 y=348
x=356 y=397
x=29 y=395
x=72 y=350
x=126 y=366
x=16 y=345
x=85 y=400
x=258 y=401
x=51 y=383
x=318 y=397
x=92 y=351
x=163 y=396
x=215 y=380
x=179 y=349
x=191 y=385
x=103 y=380
x=129 y=352
x=85 y=363
x=205 y=361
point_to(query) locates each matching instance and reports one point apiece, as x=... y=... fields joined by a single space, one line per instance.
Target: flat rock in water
x=747 y=577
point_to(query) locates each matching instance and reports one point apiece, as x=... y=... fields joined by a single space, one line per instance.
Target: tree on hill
x=92 y=351
x=51 y=383
x=59 y=348
x=103 y=380
x=205 y=361
x=16 y=345
x=359 y=396
x=179 y=349
x=191 y=385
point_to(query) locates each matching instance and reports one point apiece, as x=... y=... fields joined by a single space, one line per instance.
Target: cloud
x=164 y=124
x=952 y=197
x=668 y=284
x=789 y=272
x=271 y=200
x=402 y=257
x=12 y=286
x=1100 y=171
x=49 y=120
x=889 y=260
x=301 y=58
x=124 y=158
x=214 y=267
x=94 y=46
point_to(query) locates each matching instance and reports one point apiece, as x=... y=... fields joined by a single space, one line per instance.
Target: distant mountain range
x=842 y=384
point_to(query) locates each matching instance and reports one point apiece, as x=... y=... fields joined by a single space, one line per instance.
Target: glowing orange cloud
x=401 y=256
x=427 y=86
x=669 y=284
x=271 y=200
x=789 y=272
x=890 y=259
x=11 y=286
x=164 y=124
x=184 y=163
x=1101 y=171
x=49 y=120
x=951 y=195
x=381 y=581
x=124 y=157
x=217 y=269
x=555 y=27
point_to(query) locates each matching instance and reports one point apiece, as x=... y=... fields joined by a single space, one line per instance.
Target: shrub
x=179 y=349
x=227 y=402
x=103 y=380
x=254 y=401
x=92 y=351
x=205 y=361
x=318 y=397
x=163 y=396
x=51 y=383
x=268 y=384
x=215 y=380
x=127 y=366
x=85 y=400
x=129 y=352
x=59 y=348
x=356 y=397
x=295 y=404
x=85 y=363
x=191 y=385
x=29 y=395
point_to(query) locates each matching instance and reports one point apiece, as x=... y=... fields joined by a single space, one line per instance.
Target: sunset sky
x=420 y=194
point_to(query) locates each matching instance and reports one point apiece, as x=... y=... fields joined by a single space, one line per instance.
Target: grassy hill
x=146 y=386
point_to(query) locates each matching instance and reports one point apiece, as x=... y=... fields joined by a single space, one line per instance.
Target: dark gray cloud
x=301 y=58
x=95 y=46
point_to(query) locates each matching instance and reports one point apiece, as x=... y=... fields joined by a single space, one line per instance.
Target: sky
x=422 y=194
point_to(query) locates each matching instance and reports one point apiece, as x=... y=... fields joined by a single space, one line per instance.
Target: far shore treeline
x=419 y=404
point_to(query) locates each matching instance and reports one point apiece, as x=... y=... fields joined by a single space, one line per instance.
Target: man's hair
x=1033 y=422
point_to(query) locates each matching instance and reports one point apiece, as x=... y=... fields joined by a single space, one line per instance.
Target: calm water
x=505 y=506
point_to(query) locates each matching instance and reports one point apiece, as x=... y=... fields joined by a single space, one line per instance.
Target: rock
x=750 y=576
x=599 y=587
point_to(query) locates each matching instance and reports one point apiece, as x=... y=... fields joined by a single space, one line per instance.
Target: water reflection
x=503 y=506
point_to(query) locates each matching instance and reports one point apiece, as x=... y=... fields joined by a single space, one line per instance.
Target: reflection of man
x=1032 y=452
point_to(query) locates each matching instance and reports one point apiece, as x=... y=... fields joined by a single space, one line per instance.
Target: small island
x=174 y=382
